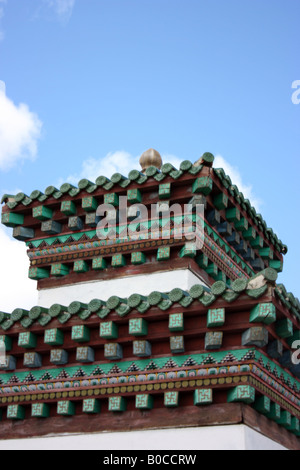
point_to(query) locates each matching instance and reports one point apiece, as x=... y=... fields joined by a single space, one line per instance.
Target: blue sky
x=91 y=84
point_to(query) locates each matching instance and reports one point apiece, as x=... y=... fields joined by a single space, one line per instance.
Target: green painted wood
x=220 y=201
x=144 y=401
x=266 y=253
x=59 y=269
x=54 y=337
x=68 y=208
x=38 y=273
x=284 y=328
x=109 y=330
x=263 y=313
x=91 y=406
x=40 y=410
x=203 y=396
x=9 y=219
x=138 y=327
x=42 y=213
x=134 y=196
x=89 y=204
x=202 y=185
x=80 y=266
x=65 y=408
x=241 y=225
x=233 y=214
x=241 y=393
x=80 y=333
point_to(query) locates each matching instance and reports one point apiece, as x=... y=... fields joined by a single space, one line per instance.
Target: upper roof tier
x=238 y=241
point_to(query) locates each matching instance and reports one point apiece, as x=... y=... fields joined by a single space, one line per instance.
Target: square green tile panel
x=138 y=327
x=203 y=396
x=111 y=198
x=38 y=273
x=85 y=354
x=134 y=196
x=177 y=344
x=264 y=312
x=40 y=410
x=15 y=412
x=80 y=266
x=164 y=191
x=42 y=213
x=65 y=408
x=215 y=317
x=171 y=399
x=144 y=402
x=118 y=261
x=89 y=204
x=68 y=208
x=9 y=219
x=108 y=330
x=99 y=263
x=59 y=269
x=27 y=340
x=176 y=322
x=138 y=257
x=80 y=333
x=117 y=403
x=91 y=406
x=241 y=393
x=202 y=185
x=163 y=253
x=54 y=337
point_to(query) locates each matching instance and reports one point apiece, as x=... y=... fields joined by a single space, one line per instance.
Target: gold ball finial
x=150 y=157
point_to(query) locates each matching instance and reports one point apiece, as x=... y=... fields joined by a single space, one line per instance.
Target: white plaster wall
x=123 y=287
x=232 y=437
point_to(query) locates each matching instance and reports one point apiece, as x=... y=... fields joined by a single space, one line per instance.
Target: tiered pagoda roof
x=220 y=352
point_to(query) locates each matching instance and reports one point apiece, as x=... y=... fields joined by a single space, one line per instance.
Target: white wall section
x=123 y=287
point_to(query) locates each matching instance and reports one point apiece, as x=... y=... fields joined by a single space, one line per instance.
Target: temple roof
x=21 y=202
x=225 y=344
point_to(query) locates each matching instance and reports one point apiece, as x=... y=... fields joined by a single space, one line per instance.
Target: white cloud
x=20 y=130
x=17 y=290
x=62 y=8
x=236 y=179
x=2 y=2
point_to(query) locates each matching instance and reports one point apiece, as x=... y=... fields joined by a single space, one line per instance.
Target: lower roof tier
x=181 y=349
